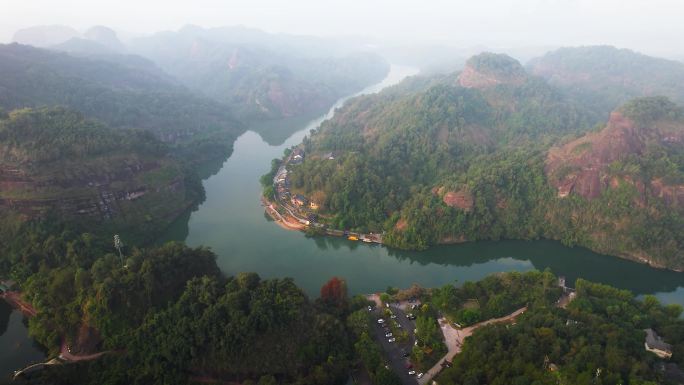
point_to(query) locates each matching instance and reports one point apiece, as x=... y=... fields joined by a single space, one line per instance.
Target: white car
x=381 y=321
x=412 y=372
x=393 y=316
x=420 y=375
x=388 y=335
x=391 y=340
x=370 y=308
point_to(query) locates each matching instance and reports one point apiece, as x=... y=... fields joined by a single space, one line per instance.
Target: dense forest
x=167 y=315
x=433 y=162
x=121 y=93
x=597 y=338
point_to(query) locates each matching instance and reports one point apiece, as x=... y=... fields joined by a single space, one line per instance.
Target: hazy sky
x=652 y=26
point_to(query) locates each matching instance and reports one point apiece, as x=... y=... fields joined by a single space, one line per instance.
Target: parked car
x=393 y=316
x=405 y=354
x=411 y=372
x=420 y=375
x=370 y=308
x=381 y=321
x=388 y=334
x=391 y=340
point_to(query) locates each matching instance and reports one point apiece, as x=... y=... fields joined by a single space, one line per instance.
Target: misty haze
x=337 y=193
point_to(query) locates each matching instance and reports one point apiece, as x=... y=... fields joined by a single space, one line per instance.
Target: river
x=16 y=348
x=232 y=222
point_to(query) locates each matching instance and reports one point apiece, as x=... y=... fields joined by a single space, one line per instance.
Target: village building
x=299 y=200
x=297 y=156
x=656 y=345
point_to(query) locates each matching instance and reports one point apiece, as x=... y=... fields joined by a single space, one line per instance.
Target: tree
x=334 y=293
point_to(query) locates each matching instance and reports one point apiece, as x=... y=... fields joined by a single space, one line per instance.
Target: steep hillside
x=123 y=95
x=53 y=162
x=436 y=162
x=606 y=77
x=642 y=144
x=257 y=74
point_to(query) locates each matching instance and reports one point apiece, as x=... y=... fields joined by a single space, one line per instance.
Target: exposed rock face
x=672 y=195
x=460 y=199
x=487 y=70
x=582 y=166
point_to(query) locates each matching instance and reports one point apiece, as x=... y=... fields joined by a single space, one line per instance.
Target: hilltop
x=489 y=69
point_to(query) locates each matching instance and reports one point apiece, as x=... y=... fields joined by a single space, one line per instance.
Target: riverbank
x=289 y=221
x=14 y=298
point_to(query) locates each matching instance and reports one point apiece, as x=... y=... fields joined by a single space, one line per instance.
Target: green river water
x=232 y=222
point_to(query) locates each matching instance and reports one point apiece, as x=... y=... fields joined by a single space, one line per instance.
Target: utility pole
x=118 y=244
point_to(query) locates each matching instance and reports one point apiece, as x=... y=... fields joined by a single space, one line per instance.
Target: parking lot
x=393 y=350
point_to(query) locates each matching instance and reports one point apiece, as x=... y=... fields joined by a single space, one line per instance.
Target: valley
x=513 y=220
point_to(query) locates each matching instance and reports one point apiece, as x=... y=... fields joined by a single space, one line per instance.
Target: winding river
x=232 y=222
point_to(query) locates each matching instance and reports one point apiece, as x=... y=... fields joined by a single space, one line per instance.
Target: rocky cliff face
x=589 y=165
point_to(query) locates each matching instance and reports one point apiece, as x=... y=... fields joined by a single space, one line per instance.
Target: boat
x=353 y=238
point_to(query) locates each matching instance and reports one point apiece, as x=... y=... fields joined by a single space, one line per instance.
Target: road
x=66 y=355
x=456 y=337
x=393 y=351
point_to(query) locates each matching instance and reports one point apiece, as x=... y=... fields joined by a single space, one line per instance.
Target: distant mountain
x=471 y=156
x=104 y=36
x=258 y=74
x=45 y=35
x=606 y=77
x=130 y=93
x=53 y=161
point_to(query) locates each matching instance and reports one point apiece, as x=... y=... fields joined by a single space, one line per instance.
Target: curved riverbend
x=232 y=222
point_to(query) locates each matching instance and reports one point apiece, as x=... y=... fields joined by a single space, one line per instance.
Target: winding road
x=455 y=338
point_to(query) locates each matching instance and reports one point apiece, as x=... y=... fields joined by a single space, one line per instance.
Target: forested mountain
x=463 y=157
x=55 y=163
x=260 y=75
x=123 y=95
x=605 y=77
